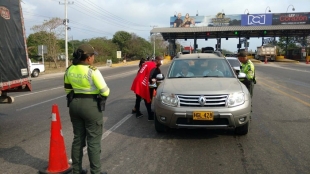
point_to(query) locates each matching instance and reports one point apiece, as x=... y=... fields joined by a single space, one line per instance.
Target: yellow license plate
x=203 y=116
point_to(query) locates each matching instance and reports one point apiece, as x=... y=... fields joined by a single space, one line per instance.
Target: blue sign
x=256 y=19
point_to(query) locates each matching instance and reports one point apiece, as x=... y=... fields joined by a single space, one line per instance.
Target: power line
x=114 y=17
x=72 y=22
x=96 y=14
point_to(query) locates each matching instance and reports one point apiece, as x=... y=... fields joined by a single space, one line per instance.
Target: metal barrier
x=109 y=62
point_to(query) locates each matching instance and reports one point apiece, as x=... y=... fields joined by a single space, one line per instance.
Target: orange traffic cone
x=58 y=162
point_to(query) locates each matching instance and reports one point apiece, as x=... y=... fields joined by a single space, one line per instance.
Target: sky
x=102 y=18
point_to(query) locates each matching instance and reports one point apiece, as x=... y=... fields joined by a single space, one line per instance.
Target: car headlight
x=235 y=99
x=169 y=99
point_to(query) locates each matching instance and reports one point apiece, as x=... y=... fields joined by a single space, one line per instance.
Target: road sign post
x=119 y=55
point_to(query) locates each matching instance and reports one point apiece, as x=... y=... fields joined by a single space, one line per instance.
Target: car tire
x=243 y=130
x=35 y=73
x=160 y=128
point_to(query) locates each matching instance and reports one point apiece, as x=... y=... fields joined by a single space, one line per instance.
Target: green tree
x=105 y=48
x=34 y=40
x=138 y=47
x=121 y=39
x=54 y=28
x=291 y=43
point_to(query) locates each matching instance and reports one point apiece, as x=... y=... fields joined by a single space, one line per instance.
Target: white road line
x=39 y=103
x=38 y=92
x=108 y=132
x=108 y=77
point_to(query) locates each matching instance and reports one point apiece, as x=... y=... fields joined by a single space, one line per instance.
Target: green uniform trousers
x=87 y=122
x=250 y=85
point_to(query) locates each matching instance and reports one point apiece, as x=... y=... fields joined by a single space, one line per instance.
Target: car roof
x=199 y=55
x=231 y=58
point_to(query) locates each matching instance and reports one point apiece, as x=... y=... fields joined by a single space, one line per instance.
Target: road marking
x=288 y=88
x=108 y=77
x=38 y=92
x=39 y=103
x=108 y=132
x=297 y=99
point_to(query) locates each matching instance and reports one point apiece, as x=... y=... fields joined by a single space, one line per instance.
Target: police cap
x=242 y=54
x=87 y=49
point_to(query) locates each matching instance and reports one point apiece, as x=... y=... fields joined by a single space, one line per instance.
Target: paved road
x=278 y=141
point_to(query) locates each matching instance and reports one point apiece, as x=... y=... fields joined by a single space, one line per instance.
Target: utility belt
x=101 y=100
x=85 y=95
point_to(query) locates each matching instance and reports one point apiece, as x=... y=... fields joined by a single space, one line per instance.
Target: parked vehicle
x=207 y=50
x=269 y=52
x=14 y=67
x=234 y=62
x=188 y=50
x=36 y=68
x=211 y=97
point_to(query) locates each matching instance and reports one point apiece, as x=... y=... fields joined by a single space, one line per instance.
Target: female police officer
x=87 y=93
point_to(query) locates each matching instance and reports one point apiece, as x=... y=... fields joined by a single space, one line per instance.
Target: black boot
x=139 y=114
x=151 y=116
x=84 y=171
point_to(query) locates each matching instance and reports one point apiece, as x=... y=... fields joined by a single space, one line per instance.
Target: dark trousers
x=87 y=122
x=147 y=105
x=249 y=84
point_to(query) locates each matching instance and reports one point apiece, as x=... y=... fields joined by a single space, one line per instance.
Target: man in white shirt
x=213 y=71
x=184 y=71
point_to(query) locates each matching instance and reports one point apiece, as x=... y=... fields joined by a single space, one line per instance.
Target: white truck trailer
x=269 y=52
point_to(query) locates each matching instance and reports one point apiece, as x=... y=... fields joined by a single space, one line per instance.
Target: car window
x=234 y=62
x=194 y=68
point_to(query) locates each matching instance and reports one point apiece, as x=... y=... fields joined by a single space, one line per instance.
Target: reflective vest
x=248 y=69
x=85 y=79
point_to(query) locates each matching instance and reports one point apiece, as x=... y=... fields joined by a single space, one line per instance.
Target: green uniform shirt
x=85 y=79
x=248 y=69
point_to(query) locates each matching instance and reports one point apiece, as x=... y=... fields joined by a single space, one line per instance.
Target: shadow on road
x=17 y=155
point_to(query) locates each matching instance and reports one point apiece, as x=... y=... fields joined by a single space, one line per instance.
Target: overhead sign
x=221 y=19
x=291 y=18
x=256 y=19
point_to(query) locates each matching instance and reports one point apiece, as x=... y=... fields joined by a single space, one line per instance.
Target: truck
x=14 y=64
x=269 y=52
x=35 y=68
x=188 y=50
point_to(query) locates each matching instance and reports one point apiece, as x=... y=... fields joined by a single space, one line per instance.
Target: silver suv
x=202 y=91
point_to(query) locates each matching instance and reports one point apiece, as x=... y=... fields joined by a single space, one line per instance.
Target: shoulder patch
x=92 y=67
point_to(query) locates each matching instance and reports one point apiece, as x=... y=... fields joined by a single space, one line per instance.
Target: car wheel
x=242 y=130
x=35 y=73
x=158 y=126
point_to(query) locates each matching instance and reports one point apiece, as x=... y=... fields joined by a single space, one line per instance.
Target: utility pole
x=154 y=38
x=66 y=21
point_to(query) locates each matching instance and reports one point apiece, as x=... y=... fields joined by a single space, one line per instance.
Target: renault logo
x=202 y=100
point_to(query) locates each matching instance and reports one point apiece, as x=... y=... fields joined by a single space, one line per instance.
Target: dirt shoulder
x=51 y=70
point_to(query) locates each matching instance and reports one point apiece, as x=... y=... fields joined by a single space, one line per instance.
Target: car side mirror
x=241 y=75
x=160 y=77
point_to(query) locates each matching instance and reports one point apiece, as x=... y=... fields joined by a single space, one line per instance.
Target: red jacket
x=140 y=84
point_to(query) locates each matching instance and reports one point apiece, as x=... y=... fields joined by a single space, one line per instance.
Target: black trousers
x=249 y=84
x=147 y=105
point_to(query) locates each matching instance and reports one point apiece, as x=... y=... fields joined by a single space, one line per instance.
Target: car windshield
x=194 y=68
x=234 y=62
